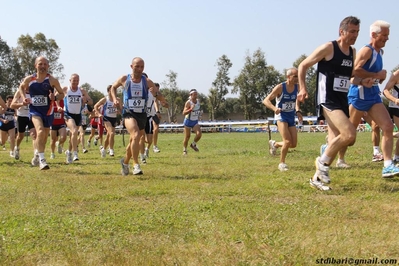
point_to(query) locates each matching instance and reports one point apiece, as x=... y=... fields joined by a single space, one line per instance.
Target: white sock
x=376 y=150
x=41 y=155
x=387 y=163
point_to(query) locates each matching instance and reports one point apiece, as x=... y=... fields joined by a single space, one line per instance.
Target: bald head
x=40 y=58
x=137 y=66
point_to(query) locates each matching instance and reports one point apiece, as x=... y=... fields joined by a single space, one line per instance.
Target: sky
x=98 y=39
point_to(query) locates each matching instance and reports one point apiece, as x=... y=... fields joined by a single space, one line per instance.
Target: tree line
x=255 y=80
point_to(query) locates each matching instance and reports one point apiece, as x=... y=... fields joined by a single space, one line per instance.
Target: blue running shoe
x=390 y=171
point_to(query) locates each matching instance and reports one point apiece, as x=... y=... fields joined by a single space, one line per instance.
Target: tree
x=96 y=95
x=254 y=82
x=311 y=75
x=28 y=49
x=10 y=71
x=219 y=86
x=170 y=92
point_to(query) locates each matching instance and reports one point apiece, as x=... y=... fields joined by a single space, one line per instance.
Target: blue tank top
x=39 y=94
x=135 y=95
x=374 y=64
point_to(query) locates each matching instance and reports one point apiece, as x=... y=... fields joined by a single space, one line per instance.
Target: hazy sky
x=98 y=39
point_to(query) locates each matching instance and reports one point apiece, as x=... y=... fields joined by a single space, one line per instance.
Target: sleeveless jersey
x=39 y=94
x=135 y=95
x=23 y=111
x=58 y=116
x=109 y=109
x=286 y=102
x=150 y=105
x=395 y=93
x=333 y=78
x=9 y=115
x=73 y=101
x=195 y=113
x=374 y=64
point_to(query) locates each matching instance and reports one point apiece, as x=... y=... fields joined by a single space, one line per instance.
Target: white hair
x=376 y=26
x=289 y=71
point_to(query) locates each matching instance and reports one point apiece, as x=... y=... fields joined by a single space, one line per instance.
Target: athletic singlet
x=334 y=78
x=286 y=101
x=23 y=111
x=150 y=105
x=395 y=93
x=109 y=109
x=135 y=95
x=58 y=116
x=374 y=64
x=9 y=114
x=39 y=94
x=73 y=101
x=195 y=113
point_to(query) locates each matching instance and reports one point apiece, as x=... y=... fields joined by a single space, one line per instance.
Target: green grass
x=226 y=205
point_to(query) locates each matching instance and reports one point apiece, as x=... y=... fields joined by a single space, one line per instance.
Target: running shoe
x=317 y=184
x=282 y=167
x=156 y=149
x=125 y=168
x=137 y=170
x=111 y=152
x=342 y=164
x=194 y=147
x=68 y=157
x=390 y=171
x=147 y=153
x=88 y=144
x=59 y=147
x=322 y=171
x=16 y=153
x=35 y=161
x=272 y=148
x=44 y=165
x=52 y=156
x=85 y=151
x=378 y=157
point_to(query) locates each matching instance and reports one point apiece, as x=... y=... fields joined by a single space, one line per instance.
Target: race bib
x=288 y=106
x=74 y=99
x=57 y=116
x=9 y=117
x=39 y=100
x=341 y=84
x=376 y=82
x=111 y=110
x=195 y=115
x=136 y=103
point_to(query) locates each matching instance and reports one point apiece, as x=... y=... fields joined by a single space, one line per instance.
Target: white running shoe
x=68 y=157
x=16 y=153
x=12 y=154
x=52 y=156
x=317 y=184
x=156 y=149
x=95 y=141
x=111 y=152
x=272 y=148
x=147 y=153
x=103 y=152
x=282 y=167
x=125 y=168
x=35 y=161
x=75 y=158
x=85 y=151
x=137 y=170
x=88 y=144
x=322 y=171
x=44 y=165
x=342 y=165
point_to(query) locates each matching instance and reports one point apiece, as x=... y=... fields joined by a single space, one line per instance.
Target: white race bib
x=341 y=83
x=57 y=116
x=136 y=104
x=74 y=99
x=288 y=106
x=39 y=100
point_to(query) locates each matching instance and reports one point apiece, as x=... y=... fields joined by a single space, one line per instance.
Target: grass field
x=226 y=205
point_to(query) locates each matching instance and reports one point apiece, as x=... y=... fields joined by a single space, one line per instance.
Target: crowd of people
x=347 y=92
x=43 y=107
